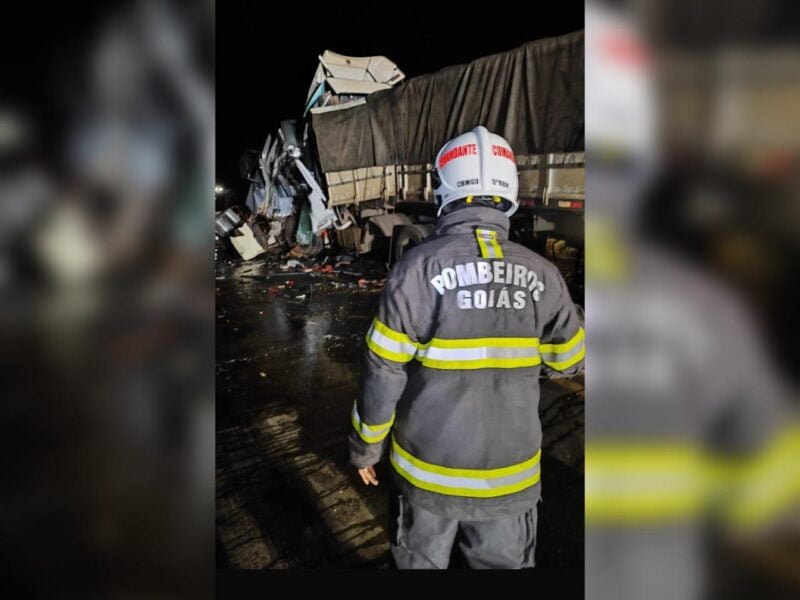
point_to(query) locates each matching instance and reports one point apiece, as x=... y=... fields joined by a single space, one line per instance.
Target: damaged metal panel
x=226 y=222
x=387 y=223
x=361 y=239
x=288 y=132
x=246 y=243
x=565 y=184
x=333 y=107
x=363 y=68
x=350 y=86
x=358 y=185
x=340 y=75
x=322 y=217
x=532 y=179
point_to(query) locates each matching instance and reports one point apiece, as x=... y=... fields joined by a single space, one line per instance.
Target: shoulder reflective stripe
x=563 y=356
x=478 y=483
x=498 y=251
x=391 y=333
x=488 y=244
x=485 y=252
x=390 y=344
x=370 y=433
x=383 y=352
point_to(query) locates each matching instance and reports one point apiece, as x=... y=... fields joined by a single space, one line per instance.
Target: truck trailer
x=355 y=170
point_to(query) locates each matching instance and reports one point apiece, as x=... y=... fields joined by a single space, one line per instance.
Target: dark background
x=267 y=52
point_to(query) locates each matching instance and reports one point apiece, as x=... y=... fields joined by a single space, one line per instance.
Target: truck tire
x=410 y=236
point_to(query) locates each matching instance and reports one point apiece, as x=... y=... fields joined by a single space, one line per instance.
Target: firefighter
x=467 y=322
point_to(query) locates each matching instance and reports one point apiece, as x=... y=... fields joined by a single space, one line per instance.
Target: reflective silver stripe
x=436 y=353
x=477 y=483
x=369 y=433
x=390 y=344
x=479 y=353
x=557 y=357
x=488 y=244
x=463 y=482
x=564 y=355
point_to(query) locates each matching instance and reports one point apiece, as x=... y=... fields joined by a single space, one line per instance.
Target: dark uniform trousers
x=421 y=539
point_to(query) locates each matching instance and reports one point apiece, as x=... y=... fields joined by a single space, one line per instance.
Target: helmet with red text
x=477 y=164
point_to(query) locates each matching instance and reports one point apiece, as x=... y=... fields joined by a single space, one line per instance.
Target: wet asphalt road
x=287 y=364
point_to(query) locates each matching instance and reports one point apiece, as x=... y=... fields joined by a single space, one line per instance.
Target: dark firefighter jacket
x=465 y=326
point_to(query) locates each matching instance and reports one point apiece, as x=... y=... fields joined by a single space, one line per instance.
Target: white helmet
x=476 y=163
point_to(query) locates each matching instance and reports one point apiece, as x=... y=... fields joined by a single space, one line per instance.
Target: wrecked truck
x=355 y=171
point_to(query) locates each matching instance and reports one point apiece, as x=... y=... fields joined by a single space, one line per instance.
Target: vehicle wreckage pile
x=281 y=275
x=353 y=176
x=285 y=204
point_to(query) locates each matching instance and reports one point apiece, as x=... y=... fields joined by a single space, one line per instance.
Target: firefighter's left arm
x=562 y=343
x=757 y=436
x=391 y=344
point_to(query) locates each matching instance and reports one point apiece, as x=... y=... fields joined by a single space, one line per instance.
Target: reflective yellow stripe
x=566 y=364
x=379 y=428
x=457 y=491
x=453 y=354
x=488 y=244
x=768 y=484
x=498 y=251
x=498 y=342
x=566 y=346
x=565 y=355
x=370 y=439
x=370 y=433
x=474 y=473
x=643 y=510
x=477 y=483
x=646 y=457
x=388 y=354
x=479 y=353
x=483 y=247
x=391 y=333
x=390 y=344
x=484 y=363
x=631 y=483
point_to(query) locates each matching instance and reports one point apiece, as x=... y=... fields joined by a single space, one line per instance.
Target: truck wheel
x=410 y=236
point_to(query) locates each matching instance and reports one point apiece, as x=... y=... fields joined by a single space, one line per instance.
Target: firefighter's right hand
x=368 y=475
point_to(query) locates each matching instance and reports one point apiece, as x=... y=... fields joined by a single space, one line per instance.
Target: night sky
x=267 y=52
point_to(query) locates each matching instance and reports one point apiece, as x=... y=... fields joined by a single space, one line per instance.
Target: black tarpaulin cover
x=532 y=96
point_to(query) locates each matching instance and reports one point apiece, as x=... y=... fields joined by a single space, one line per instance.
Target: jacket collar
x=465 y=220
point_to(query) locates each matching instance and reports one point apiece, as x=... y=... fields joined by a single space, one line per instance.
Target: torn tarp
x=532 y=96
